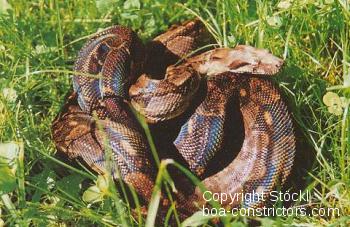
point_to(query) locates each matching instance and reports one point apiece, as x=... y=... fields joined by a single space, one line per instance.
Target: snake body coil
x=97 y=114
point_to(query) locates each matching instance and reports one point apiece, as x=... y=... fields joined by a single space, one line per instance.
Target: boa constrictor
x=97 y=114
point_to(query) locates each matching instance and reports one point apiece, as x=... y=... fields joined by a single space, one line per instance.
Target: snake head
x=241 y=59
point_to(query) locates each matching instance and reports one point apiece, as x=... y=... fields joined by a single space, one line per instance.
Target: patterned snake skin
x=97 y=113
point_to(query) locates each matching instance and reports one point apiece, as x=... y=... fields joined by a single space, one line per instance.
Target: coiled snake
x=130 y=72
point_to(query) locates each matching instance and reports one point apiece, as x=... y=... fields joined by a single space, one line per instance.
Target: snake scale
x=150 y=79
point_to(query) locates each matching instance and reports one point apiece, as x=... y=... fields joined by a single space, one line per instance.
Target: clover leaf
x=334 y=103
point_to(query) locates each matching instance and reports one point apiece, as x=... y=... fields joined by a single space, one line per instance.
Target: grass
x=39 y=41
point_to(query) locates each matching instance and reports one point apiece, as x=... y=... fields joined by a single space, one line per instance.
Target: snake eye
x=237 y=64
x=215 y=58
x=104 y=47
